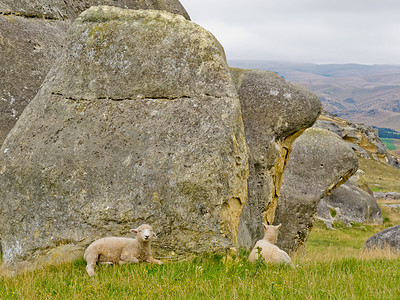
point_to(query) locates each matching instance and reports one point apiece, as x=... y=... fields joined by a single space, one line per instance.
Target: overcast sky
x=318 y=31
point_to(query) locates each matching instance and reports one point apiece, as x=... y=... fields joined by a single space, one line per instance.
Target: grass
x=333 y=267
x=215 y=277
x=391 y=144
x=380 y=177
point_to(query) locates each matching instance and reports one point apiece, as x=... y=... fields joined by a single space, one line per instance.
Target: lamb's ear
x=133 y=230
x=279 y=226
x=265 y=225
x=154 y=236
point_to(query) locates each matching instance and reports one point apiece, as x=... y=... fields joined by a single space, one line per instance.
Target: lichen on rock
x=101 y=56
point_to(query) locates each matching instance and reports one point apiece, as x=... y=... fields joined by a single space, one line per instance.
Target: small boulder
x=388 y=195
x=389 y=237
x=349 y=203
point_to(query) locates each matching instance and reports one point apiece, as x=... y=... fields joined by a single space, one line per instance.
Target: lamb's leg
x=126 y=259
x=152 y=260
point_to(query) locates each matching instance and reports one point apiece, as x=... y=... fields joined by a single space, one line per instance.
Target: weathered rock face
x=319 y=162
x=363 y=139
x=30 y=43
x=28 y=48
x=389 y=237
x=275 y=112
x=350 y=203
x=147 y=130
x=70 y=9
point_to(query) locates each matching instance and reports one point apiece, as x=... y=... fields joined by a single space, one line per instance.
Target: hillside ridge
x=367 y=94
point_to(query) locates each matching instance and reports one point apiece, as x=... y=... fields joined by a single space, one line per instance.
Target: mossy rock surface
x=163 y=56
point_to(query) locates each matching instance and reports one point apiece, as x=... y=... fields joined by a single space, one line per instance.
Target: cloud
x=321 y=31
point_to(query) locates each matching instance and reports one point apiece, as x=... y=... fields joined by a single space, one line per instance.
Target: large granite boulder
x=31 y=37
x=275 y=112
x=388 y=238
x=319 y=162
x=137 y=122
x=351 y=202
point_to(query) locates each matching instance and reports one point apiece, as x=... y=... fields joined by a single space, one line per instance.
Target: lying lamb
x=118 y=250
x=270 y=252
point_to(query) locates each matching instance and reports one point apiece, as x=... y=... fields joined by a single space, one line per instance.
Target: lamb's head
x=271 y=233
x=144 y=233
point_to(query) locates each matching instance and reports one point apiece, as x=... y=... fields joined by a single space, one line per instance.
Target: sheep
x=270 y=252
x=119 y=250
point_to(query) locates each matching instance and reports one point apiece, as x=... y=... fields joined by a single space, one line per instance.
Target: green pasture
x=333 y=267
x=391 y=144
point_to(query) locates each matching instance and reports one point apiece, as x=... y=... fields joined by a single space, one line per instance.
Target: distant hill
x=368 y=94
x=388 y=133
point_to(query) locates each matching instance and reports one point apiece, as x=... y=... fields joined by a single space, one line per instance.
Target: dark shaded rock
x=87 y=159
x=28 y=48
x=319 y=162
x=389 y=237
x=350 y=202
x=30 y=43
x=275 y=112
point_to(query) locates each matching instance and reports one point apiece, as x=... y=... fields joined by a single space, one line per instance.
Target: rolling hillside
x=368 y=94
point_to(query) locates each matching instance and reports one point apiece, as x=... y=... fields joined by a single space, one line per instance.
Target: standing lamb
x=119 y=250
x=270 y=252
